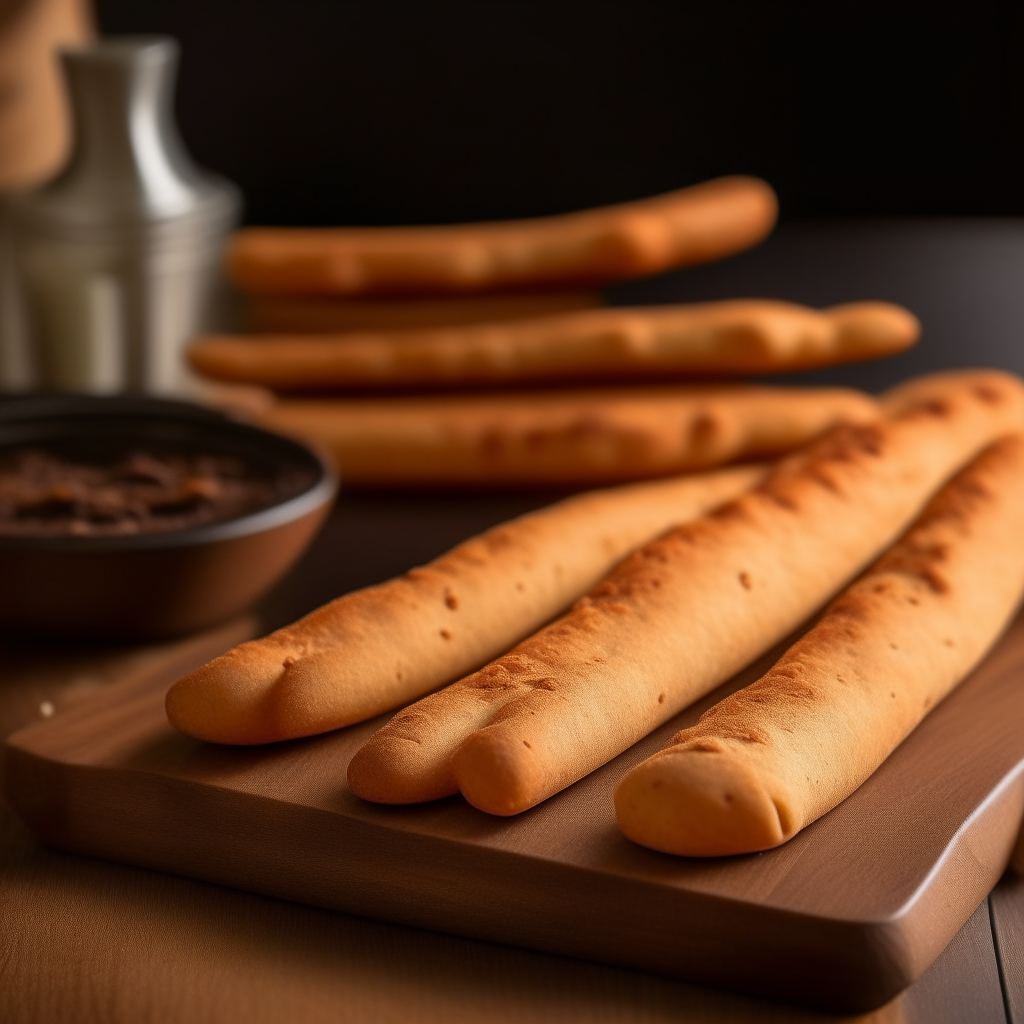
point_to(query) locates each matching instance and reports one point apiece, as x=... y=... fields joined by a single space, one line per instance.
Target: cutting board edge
x=977 y=855
x=871 y=961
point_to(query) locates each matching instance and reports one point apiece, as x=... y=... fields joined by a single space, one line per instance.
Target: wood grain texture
x=867 y=896
x=87 y=942
x=962 y=986
x=1007 y=906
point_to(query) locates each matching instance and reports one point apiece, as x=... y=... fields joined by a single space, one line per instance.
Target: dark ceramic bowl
x=148 y=586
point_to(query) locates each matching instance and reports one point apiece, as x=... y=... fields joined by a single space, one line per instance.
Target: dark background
x=432 y=111
x=424 y=111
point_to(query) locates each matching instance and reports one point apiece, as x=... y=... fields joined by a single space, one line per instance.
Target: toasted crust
x=383 y=646
x=717 y=338
x=923 y=391
x=591 y=247
x=563 y=437
x=766 y=761
x=684 y=612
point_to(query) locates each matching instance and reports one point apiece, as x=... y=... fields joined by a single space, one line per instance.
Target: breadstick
x=713 y=339
x=591 y=247
x=563 y=437
x=284 y=315
x=683 y=613
x=377 y=648
x=921 y=390
x=765 y=762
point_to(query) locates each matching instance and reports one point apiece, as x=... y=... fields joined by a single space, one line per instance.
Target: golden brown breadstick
x=563 y=437
x=712 y=339
x=374 y=649
x=768 y=760
x=274 y=314
x=683 y=613
x=613 y=243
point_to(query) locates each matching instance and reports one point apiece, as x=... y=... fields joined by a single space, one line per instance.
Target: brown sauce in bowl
x=43 y=494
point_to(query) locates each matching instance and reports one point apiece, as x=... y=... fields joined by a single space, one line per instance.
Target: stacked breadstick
x=585 y=626
x=482 y=354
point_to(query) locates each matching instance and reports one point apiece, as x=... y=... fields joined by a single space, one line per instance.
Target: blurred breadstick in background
x=563 y=438
x=772 y=757
x=275 y=314
x=591 y=247
x=383 y=646
x=711 y=339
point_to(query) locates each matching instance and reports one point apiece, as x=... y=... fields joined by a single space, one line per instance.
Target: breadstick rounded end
x=498 y=772
x=379 y=774
x=699 y=801
x=224 y=700
x=867 y=330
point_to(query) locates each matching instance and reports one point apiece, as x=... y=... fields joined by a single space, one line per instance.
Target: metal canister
x=119 y=254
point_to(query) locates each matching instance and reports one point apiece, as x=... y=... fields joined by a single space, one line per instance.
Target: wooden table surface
x=84 y=940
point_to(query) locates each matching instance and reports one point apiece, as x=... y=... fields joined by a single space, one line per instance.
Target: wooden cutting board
x=843 y=917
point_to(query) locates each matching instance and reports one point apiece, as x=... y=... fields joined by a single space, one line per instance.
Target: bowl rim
x=55 y=407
